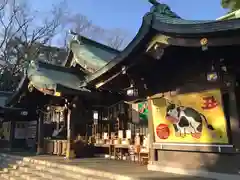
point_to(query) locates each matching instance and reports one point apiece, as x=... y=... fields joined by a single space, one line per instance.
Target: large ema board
x=190 y=118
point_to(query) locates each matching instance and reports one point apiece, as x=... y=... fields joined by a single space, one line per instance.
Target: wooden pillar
x=152 y=154
x=234 y=117
x=40 y=140
x=57 y=117
x=12 y=133
x=70 y=151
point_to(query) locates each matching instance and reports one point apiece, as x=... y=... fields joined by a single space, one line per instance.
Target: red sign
x=209 y=103
x=163 y=131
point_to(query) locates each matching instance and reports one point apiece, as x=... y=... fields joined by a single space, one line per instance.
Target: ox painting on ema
x=187 y=120
x=190 y=117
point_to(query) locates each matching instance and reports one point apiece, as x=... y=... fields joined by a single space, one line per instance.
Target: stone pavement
x=135 y=171
x=110 y=169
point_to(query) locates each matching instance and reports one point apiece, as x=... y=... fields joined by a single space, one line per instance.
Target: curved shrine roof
x=105 y=60
x=90 y=55
x=51 y=77
x=162 y=21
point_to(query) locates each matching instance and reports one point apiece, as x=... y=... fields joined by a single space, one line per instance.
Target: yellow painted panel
x=197 y=117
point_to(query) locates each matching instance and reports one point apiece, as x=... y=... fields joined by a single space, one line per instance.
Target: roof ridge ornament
x=33 y=64
x=162 y=9
x=75 y=36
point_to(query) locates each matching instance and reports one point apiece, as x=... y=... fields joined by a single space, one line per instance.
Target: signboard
x=140 y=113
x=32 y=129
x=25 y=130
x=6 y=130
x=143 y=111
x=190 y=118
x=21 y=131
x=31 y=133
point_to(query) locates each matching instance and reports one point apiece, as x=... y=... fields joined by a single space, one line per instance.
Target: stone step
x=39 y=171
x=43 y=174
x=32 y=168
x=71 y=171
x=12 y=172
x=20 y=171
x=6 y=176
x=5 y=163
x=26 y=176
x=75 y=169
x=10 y=160
x=56 y=172
x=8 y=169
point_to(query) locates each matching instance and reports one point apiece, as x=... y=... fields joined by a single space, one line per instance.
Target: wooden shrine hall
x=169 y=98
x=14 y=123
x=182 y=69
x=55 y=94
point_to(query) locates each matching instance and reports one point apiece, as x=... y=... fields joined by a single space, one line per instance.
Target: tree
x=80 y=24
x=22 y=33
x=116 y=38
x=231 y=5
x=77 y=23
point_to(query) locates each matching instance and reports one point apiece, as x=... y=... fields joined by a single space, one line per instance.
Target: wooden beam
x=152 y=151
x=40 y=140
x=70 y=151
x=234 y=116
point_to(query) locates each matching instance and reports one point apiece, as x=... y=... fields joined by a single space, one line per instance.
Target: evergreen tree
x=231 y=5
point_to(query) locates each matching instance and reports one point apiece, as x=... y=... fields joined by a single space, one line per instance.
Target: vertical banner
x=143 y=111
x=32 y=133
x=140 y=113
x=32 y=129
x=190 y=118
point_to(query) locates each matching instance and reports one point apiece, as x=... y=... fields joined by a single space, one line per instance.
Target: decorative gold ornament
x=204 y=41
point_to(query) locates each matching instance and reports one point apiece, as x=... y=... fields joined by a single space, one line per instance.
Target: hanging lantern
x=212 y=76
x=123 y=69
x=95 y=117
x=131 y=91
x=204 y=43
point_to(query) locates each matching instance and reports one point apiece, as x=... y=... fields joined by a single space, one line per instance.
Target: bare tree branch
x=80 y=24
x=22 y=34
x=116 y=38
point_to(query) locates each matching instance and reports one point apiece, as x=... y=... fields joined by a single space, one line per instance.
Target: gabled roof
x=51 y=77
x=89 y=54
x=138 y=41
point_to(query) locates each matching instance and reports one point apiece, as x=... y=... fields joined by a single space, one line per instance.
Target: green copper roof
x=175 y=20
x=166 y=21
x=48 y=76
x=90 y=54
x=162 y=21
x=163 y=13
x=232 y=15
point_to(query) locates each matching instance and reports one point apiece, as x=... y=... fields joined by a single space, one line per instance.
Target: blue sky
x=127 y=14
